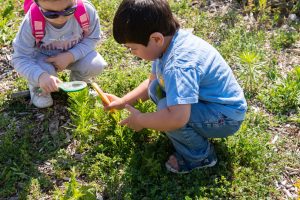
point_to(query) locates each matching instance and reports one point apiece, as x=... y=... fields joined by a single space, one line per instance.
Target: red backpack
x=38 y=21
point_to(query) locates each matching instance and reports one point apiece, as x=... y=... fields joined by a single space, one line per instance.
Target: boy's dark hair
x=136 y=20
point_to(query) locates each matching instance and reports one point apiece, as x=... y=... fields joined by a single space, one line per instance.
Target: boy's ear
x=158 y=38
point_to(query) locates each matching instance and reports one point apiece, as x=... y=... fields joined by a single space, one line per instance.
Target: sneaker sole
x=169 y=168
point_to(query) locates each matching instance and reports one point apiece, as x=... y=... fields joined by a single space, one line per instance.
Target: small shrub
x=285 y=96
x=34 y=190
x=81 y=112
x=8 y=23
x=75 y=190
x=250 y=71
x=283 y=39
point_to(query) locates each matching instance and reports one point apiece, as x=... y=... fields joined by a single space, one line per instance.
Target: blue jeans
x=191 y=141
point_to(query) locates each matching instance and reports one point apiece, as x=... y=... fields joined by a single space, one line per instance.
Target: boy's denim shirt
x=191 y=70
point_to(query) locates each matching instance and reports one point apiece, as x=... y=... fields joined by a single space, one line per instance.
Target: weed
x=8 y=25
x=285 y=96
x=81 y=111
x=34 y=190
x=283 y=39
x=237 y=41
x=7 y=10
x=75 y=190
x=250 y=72
x=262 y=5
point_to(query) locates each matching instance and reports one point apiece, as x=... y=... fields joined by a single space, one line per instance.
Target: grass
x=285 y=95
x=90 y=154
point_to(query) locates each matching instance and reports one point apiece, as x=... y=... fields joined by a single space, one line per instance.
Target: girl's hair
x=136 y=20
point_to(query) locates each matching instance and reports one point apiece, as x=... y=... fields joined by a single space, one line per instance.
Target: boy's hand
x=48 y=83
x=132 y=120
x=61 y=61
x=115 y=102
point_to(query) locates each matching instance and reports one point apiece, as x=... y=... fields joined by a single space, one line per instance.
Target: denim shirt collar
x=168 y=53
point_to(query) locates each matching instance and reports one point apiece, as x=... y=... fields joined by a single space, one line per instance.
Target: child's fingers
x=111 y=97
x=112 y=105
x=51 y=88
x=58 y=81
x=124 y=122
x=131 y=109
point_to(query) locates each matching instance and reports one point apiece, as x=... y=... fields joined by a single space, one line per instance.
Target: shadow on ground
x=29 y=138
x=146 y=176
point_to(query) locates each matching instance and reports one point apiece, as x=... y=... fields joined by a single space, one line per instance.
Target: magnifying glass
x=73 y=86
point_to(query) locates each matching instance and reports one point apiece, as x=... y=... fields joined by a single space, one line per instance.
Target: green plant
x=7 y=9
x=8 y=25
x=34 y=190
x=262 y=5
x=124 y=76
x=285 y=95
x=283 y=39
x=82 y=111
x=237 y=40
x=75 y=191
x=256 y=7
x=105 y=10
x=251 y=71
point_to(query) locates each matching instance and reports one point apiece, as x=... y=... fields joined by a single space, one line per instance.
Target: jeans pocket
x=217 y=129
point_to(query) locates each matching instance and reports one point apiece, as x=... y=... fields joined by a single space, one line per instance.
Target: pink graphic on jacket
x=62 y=45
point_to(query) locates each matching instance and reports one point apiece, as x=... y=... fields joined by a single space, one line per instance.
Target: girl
x=64 y=44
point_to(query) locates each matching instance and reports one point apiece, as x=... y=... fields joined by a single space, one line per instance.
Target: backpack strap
x=38 y=23
x=26 y=5
x=82 y=17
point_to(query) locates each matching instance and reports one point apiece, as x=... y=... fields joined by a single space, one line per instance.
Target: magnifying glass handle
x=101 y=94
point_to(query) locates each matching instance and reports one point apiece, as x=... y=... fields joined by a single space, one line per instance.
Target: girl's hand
x=132 y=121
x=48 y=83
x=61 y=61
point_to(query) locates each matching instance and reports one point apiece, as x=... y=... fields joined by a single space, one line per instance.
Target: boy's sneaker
x=210 y=161
x=185 y=167
x=39 y=100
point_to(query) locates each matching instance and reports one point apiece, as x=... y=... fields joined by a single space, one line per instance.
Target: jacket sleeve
x=24 y=51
